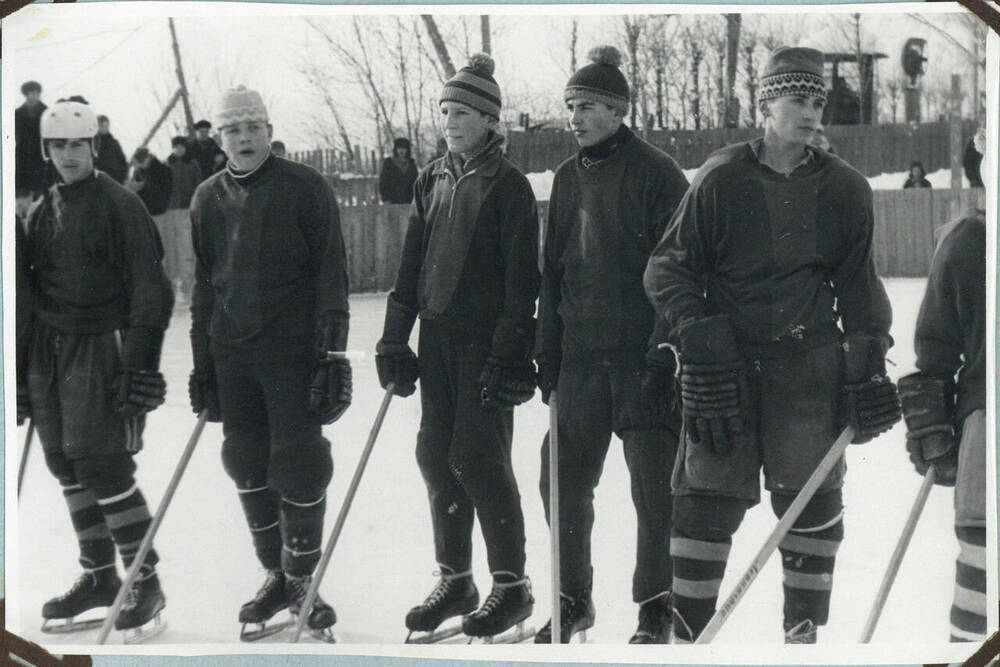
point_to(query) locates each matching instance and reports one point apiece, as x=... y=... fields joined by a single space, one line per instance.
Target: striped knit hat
x=475 y=86
x=240 y=104
x=600 y=81
x=793 y=70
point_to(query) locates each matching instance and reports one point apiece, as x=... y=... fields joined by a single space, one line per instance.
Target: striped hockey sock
x=808 y=556
x=301 y=535
x=260 y=506
x=698 y=569
x=968 y=609
x=128 y=518
x=96 y=547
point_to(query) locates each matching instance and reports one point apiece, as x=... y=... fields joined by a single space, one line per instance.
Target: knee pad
x=708 y=518
x=824 y=512
x=244 y=458
x=61 y=468
x=106 y=476
x=301 y=472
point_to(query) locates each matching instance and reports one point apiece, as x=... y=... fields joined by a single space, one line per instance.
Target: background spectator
x=917 y=177
x=30 y=170
x=278 y=149
x=209 y=156
x=110 y=157
x=175 y=227
x=395 y=181
x=151 y=180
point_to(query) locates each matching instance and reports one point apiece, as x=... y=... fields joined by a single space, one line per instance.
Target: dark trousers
x=463 y=451
x=596 y=399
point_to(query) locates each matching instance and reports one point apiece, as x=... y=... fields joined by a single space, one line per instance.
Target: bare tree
x=573 y=36
x=439 y=46
x=632 y=26
x=484 y=26
x=732 y=103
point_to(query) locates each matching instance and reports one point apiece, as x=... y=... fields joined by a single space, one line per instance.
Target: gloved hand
x=140 y=386
x=869 y=400
x=204 y=394
x=547 y=377
x=713 y=384
x=931 y=438
x=394 y=358
x=331 y=389
x=23 y=403
x=505 y=384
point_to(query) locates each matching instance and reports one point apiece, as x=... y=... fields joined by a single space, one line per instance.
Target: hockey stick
x=147 y=540
x=338 y=527
x=554 y=515
x=778 y=534
x=897 y=555
x=24 y=455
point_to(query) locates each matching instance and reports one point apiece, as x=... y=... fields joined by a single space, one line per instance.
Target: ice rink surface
x=384 y=560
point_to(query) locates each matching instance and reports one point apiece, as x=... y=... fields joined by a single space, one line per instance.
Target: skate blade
x=144 y=632
x=262 y=630
x=52 y=626
x=516 y=636
x=435 y=636
x=325 y=635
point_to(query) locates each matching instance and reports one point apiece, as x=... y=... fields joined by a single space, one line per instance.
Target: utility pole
x=188 y=117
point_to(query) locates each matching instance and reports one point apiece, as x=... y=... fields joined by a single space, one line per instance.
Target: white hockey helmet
x=67 y=120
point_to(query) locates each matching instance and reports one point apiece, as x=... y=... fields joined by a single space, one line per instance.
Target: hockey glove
x=547 y=377
x=331 y=387
x=394 y=358
x=504 y=384
x=929 y=410
x=204 y=395
x=23 y=403
x=869 y=400
x=713 y=384
x=141 y=387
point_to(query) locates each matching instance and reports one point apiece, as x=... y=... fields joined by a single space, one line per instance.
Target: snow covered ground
x=384 y=559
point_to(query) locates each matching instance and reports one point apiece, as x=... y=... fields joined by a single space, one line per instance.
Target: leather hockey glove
x=547 y=377
x=505 y=384
x=203 y=391
x=713 y=384
x=657 y=398
x=332 y=386
x=141 y=387
x=929 y=410
x=394 y=358
x=869 y=400
x=23 y=403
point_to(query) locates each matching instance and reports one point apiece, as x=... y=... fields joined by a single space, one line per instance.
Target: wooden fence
x=905 y=221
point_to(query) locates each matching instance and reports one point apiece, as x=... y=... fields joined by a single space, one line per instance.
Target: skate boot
x=143 y=603
x=508 y=604
x=321 y=616
x=454 y=595
x=270 y=599
x=576 y=615
x=93 y=588
x=654 y=621
x=803 y=632
x=680 y=631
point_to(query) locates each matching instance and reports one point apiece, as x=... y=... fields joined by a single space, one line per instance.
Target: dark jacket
x=395 y=182
x=209 y=156
x=110 y=157
x=470 y=256
x=270 y=260
x=185 y=176
x=603 y=223
x=94 y=260
x=774 y=252
x=154 y=183
x=22 y=299
x=951 y=327
x=30 y=170
x=921 y=182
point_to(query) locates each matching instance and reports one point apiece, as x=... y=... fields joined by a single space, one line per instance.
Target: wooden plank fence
x=905 y=221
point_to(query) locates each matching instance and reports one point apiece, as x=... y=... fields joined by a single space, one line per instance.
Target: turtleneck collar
x=70 y=189
x=593 y=155
x=248 y=178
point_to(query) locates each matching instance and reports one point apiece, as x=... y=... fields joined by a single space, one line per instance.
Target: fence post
x=955 y=139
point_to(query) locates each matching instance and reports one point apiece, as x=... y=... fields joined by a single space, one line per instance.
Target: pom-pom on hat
x=475 y=86
x=793 y=70
x=601 y=81
x=239 y=105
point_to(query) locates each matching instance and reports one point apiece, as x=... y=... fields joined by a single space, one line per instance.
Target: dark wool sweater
x=470 y=257
x=951 y=326
x=94 y=257
x=774 y=252
x=603 y=223
x=270 y=260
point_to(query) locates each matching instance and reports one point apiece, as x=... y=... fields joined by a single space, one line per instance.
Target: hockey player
x=944 y=403
x=599 y=346
x=269 y=312
x=470 y=271
x=100 y=303
x=771 y=246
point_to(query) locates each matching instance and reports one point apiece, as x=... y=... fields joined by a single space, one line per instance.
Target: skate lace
x=83 y=581
x=440 y=592
x=132 y=597
x=273 y=583
x=499 y=593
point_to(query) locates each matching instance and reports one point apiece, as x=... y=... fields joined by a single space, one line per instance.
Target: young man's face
x=201 y=133
x=180 y=150
x=592 y=122
x=247 y=143
x=73 y=158
x=104 y=127
x=465 y=128
x=32 y=97
x=794 y=118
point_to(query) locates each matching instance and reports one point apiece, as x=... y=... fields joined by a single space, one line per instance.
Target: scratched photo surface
x=906 y=89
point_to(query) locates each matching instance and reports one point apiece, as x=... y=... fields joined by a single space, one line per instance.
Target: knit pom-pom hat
x=600 y=81
x=238 y=105
x=475 y=86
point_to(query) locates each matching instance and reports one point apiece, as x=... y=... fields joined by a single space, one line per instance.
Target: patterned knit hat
x=475 y=86
x=793 y=70
x=238 y=105
x=600 y=81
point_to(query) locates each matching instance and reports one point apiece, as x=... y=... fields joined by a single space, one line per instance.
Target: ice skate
x=259 y=612
x=507 y=606
x=576 y=613
x=142 y=606
x=321 y=617
x=803 y=632
x=654 y=621
x=454 y=595
x=93 y=589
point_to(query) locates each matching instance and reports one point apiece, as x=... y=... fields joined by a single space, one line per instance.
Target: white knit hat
x=238 y=105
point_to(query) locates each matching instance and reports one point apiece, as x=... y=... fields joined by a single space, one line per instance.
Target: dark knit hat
x=401 y=142
x=601 y=80
x=793 y=70
x=30 y=87
x=475 y=86
x=203 y=124
x=179 y=141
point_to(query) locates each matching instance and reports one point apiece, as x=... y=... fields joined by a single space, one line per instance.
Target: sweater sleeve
x=202 y=295
x=330 y=262
x=150 y=297
x=667 y=194
x=548 y=345
x=412 y=259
